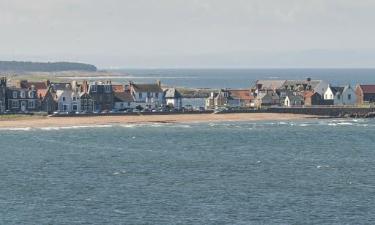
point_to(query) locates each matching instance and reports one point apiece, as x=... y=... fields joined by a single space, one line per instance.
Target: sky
x=190 y=33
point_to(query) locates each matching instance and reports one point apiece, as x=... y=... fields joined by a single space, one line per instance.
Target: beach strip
x=37 y=122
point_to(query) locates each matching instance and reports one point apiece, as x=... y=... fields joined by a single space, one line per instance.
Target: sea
x=313 y=171
x=241 y=78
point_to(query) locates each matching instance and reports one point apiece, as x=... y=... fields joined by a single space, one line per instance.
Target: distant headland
x=19 y=66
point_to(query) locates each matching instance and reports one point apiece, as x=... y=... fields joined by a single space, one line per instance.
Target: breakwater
x=328 y=111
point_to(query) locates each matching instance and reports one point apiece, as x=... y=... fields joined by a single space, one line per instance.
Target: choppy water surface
x=305 y=172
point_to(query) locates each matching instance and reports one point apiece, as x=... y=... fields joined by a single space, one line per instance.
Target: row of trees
x=45 y=67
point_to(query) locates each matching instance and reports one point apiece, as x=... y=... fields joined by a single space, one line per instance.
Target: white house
x=173 y=98
x=293 y=100
x=341 y=95
x=149 y=96
x=68 y=99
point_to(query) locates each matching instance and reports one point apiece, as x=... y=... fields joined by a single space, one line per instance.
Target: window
x=148 y=94
x=23 y=94
x=14 y=94
x=74 y=98
x=31 y=94
x=65 y=108
x=75 y=107
x=93 y=88
x=349 y=96
x=31 y=104
x=156 y=95
x=140 y=95
x=14 y=104
x=63 y=99
x=338 y=96
x=107 y=88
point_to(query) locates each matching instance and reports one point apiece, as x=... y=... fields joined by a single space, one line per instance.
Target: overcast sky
x=190 y=33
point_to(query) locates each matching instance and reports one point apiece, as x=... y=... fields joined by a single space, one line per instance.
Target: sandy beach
x=35 y=122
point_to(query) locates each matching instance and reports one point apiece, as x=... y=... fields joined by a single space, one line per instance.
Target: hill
x=45 y=67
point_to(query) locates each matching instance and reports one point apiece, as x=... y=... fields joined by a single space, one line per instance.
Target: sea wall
x=325 y=111
x=132 y=113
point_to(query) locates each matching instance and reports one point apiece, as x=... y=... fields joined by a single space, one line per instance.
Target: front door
x=23 y=106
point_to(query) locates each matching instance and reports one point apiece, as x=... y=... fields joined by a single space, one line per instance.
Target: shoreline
x=38 y=121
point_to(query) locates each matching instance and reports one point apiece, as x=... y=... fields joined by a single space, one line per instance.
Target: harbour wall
x=326 y=111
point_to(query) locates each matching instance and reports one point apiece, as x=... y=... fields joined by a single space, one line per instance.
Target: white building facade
x=341 y=95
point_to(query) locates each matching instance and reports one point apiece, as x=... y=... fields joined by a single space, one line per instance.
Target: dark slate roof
x=147 y=88
x=123 y=97
x=313 y=83
x=337 y=90
x=59 y=86
x=295 y=98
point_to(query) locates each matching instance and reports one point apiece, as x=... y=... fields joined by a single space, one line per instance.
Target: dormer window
x=74 y=98
x=93 y=88
x=23 y=94
x=14 y=94
x=31 y=94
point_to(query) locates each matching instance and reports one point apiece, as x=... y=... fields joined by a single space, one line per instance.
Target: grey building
x=102 y=95
x=3 y=87
x=22 y=99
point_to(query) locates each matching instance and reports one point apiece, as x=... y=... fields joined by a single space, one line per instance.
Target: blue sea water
x=243 y=78
x=302 y=172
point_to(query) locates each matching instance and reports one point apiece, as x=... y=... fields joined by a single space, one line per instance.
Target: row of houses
x=292 y=93
x=70 y=97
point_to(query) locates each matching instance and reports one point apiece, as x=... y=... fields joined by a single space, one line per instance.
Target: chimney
x=23 y=84
x=85 y=86
x=74 y=84
x=126 y=88
x=3 y=82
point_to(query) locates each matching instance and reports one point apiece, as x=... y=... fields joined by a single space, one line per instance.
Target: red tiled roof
x=37 y=85
x=241 y=94
x=308 y=94
x=42 y=92
x=123 y=96
x=368 y=89
x=118 y=88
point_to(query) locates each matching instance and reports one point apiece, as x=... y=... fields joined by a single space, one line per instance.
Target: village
x=106 y=97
